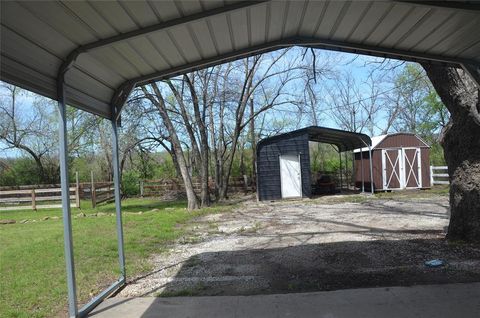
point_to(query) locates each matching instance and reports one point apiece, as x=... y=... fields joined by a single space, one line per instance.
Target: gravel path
x=311 y=245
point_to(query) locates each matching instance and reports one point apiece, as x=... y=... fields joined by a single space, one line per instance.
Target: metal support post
x=341 y=180
x=354 y=174
x=118 y=206
x=67 y=220
x=362 y=171
x=371 y=168
x=347 y=179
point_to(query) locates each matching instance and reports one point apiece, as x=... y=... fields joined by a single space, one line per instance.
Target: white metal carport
x=92 y=54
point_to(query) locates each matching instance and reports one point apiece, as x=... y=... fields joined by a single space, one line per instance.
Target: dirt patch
x=312 y=245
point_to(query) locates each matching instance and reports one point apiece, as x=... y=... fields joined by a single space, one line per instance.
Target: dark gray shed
x=283 y=161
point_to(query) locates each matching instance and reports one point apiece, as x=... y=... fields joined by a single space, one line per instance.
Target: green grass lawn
x=32 y=267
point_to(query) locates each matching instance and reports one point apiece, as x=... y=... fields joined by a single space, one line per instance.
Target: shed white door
x=392 y=164
x=412 y=162
x=401 y=168
x=290 y=175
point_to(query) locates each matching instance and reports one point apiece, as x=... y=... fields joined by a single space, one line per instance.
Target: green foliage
x=130 y=183
x=164 y=168
x=436 y=155
x=323 y=158
x=21 y=171
x=422 y=111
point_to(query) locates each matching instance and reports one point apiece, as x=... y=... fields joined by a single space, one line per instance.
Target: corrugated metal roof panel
x=344 y=140
x=38 y=36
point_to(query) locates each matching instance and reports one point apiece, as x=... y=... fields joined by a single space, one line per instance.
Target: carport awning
x=344 y=140
x=110 y=46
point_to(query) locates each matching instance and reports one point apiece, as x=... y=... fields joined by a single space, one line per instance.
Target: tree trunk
x=461 y=142
x=253 y=142
x=192 y=200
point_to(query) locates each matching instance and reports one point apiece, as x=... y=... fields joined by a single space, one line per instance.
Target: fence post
x=245 y=183
x=34 y=204
x=77 y=190
x=431 y=176
x=92 y=190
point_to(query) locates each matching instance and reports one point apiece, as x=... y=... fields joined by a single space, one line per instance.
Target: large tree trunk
x=461 y=142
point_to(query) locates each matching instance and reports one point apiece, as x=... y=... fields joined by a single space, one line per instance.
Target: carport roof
x=344 y=140
x=104 y=48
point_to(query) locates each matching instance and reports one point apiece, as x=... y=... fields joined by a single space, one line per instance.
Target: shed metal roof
x=376 y=140
x=113 y=45
x=344 y=140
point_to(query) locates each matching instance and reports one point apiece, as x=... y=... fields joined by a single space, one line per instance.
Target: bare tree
x=155 y=96
x=30 y=132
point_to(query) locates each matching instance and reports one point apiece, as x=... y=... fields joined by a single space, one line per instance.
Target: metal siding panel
x=84 y=83
x=443 y=31
x=35 y=30
x=59 y=16
x=268 y=173
x=257 y=21
x=132 y=57
x=351 y=18
x=91 y=18
x=295 y=10
x=207 y=46
x=428 y=26
x=466 y=30
x=388 y=24
x=112 y=59
x=471 y=37
x=86 y=102
x=91 y=65
x=222 y=36
x=167 y=47
x=329 y=19
x=268 y=166
x=239 y=28
x=277 y=12
x=166 y=9
x=149 y=53
x=212 y=4
x=141 y=12
x=115 y=15
x=312 y=16
x=370 y=21
x=27 y=78
x=406 y=26
x=189 y=6
x=473 y=52
x=28 y=53
x=185 y=43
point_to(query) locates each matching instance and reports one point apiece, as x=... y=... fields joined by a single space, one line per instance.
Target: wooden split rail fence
x=36 y=198
x=50 y=195
x=174 y=188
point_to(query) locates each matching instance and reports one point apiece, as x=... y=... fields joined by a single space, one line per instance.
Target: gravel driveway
x=311 y=245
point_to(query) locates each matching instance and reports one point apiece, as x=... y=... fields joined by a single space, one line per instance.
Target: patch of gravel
x=308 y=245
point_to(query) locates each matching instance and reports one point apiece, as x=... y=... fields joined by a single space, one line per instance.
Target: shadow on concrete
x=322 y=267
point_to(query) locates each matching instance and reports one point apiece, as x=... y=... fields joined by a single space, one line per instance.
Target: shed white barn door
x=290 y=175
x=392 y=165
x=401 y=168
x=412 y=162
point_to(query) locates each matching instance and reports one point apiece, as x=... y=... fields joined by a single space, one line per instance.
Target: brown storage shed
x=400 y=161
